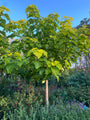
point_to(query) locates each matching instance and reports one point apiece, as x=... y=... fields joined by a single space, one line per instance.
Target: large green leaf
x=19 y=63
x=41 y=71
x=48 y=63
x=55 y=71
x=47 y=71
x=9 y=68
x=37 y=64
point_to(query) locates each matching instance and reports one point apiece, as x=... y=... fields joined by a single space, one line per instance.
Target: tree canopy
x=41 y=46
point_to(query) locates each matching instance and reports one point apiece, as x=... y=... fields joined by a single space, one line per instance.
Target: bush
x=24 y=95
x=59 y=111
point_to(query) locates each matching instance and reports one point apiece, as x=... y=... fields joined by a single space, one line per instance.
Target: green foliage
x=74 y=85
x=79 y=78
x=60 y=111
x=4 y=18
x=85 y=21
x=15 y=94
x=12 y=95
x=48 y=45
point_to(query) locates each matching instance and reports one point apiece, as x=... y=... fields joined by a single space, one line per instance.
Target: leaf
x=19 y=63
x=16 y=54
x=54 y=63
x=65 y=16
x=11 y=36
x=54 y=37
x=9 y=68
x=67 y=63
x=41 y=71
x=55 y=71
x=31 y=51
x=57 y=78
x=38 y=54
x=47 y=71
x=32 y=39
x=9 y=54
x=7 y=60
x=45 y=53
x=76 y=49
x=37 y=64
x=48 y=63
x=5 y=8
x=7 y=16
x=59 y=66
x=71 y=19
x=43 y=81
x=2 y=22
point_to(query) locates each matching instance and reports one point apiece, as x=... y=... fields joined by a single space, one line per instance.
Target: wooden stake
x=47 y=102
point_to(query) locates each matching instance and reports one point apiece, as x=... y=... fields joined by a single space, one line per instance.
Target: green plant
x=23 y=95
x=59 y=111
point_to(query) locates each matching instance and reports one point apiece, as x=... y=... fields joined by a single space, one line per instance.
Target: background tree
x=84 y=27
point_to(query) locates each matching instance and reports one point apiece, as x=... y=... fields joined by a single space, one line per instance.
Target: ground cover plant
x=42 y=50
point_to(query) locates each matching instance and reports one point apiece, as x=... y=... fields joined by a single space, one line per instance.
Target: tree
x=84 y=27
x=48 y=45
x=85 y=21
x=4 y=44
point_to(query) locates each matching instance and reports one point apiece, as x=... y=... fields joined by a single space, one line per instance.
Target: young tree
x=48 y=45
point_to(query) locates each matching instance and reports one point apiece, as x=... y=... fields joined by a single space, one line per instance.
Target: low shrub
x=25 y=96
x=59 y=111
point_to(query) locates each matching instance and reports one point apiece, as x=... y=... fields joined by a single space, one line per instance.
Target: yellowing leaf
x=43 y=81
x=5 y=8
x=38 y=54
x=9 y=54
x=65 y=16
x=54 y=63
x=59 y=66
x=52 y=36
x=16 y=54
x=45 y=53
x=34 y=49
x=57 y=78
x=23 y=20
x=32 y=39
x=70 y=18
x=40 y=51
x=67 y=63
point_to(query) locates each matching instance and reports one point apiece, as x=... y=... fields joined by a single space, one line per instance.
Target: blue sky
x=78 y=9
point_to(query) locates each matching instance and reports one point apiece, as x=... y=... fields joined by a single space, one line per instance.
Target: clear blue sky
x=78 y=9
